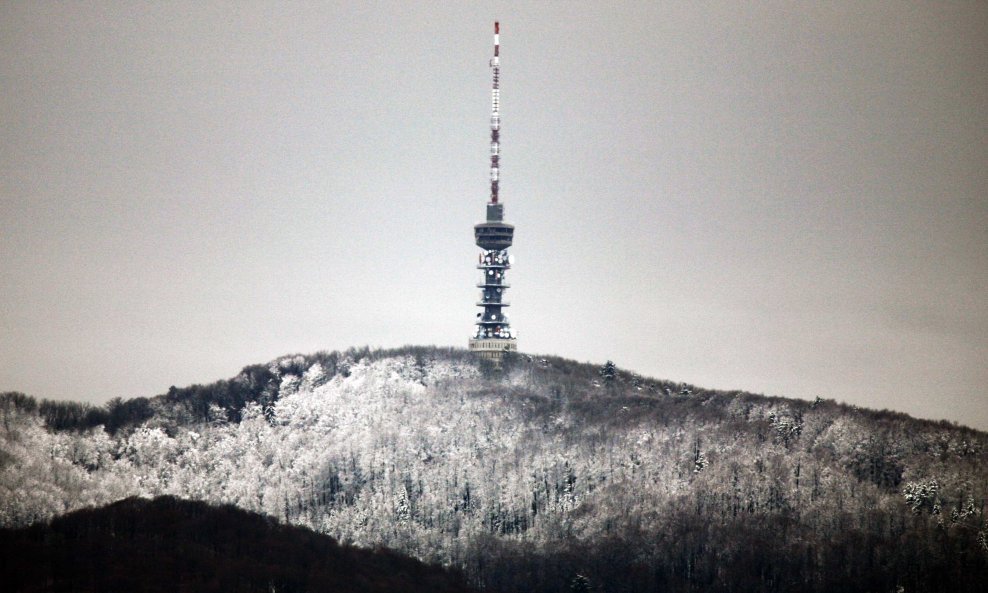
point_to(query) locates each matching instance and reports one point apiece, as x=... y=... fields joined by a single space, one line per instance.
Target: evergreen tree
x=580 y=584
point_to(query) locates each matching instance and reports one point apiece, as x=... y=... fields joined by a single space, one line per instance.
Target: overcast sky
x=785 y=198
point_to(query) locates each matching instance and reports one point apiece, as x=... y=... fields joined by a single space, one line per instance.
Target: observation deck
x=494 y=235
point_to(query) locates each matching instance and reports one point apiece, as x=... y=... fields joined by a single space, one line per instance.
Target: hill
x=171 y=545
x=532 y=478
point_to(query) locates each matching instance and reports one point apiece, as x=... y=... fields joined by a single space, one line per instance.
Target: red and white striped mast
x=495 y=114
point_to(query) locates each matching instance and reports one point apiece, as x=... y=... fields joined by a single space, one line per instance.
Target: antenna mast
x=495 y=114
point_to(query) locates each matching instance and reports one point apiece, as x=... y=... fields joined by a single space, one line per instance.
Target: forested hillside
x=550 y=475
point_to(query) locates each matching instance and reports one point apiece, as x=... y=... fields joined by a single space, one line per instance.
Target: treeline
x=76 y=416
x=170 y=545
x=221 y=400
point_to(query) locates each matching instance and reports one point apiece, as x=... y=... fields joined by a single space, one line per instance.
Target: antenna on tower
x=495 y=115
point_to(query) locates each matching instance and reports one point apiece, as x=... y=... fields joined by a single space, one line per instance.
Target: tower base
x=493 y=348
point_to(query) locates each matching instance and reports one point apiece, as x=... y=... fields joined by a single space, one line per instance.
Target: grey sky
x=784 y=198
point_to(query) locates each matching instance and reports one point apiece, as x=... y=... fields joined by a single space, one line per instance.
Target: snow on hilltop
x=424 y=454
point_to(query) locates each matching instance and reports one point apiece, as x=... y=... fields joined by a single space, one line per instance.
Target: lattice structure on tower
x=494 y=336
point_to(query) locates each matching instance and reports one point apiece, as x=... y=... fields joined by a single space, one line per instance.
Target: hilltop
x=536 y=477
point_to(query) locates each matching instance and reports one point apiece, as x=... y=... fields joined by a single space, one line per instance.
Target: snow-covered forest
x=529 y=478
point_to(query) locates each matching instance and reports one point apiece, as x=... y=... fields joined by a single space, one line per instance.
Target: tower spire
x=494 y=336
x=495 y=112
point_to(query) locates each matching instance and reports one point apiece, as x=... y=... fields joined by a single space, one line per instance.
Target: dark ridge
x=169 y=545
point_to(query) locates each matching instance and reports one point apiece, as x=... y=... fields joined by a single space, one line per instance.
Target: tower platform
x=493 y=348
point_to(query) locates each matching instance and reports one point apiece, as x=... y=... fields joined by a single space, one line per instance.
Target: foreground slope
x=172 y=545
x=528 y=479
